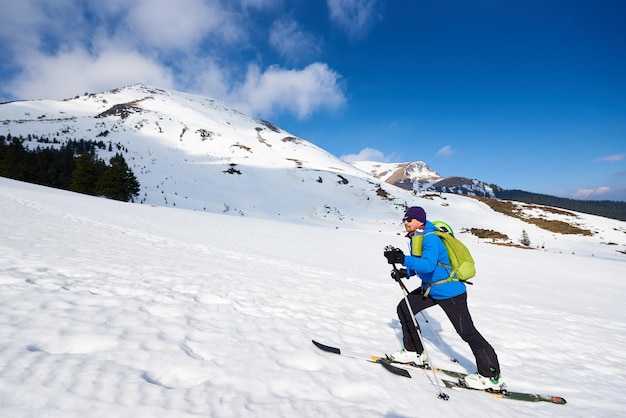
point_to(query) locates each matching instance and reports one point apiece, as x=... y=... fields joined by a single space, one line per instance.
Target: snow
x=203 y=300
x=129 y=310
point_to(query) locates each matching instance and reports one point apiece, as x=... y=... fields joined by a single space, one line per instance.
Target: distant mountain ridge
x=418 y=175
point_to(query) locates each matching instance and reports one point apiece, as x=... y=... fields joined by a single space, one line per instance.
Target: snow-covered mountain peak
x=394 y=172
x=419 y=170
x=194 y=152
x=405 y=175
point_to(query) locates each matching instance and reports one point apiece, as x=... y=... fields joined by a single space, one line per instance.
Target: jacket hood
x=430 y=227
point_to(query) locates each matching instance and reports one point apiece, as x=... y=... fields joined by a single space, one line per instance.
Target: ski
x=401 y=369
x=507 y=394
x=388 y=364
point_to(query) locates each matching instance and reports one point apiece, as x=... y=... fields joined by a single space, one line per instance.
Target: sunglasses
x=407 y=219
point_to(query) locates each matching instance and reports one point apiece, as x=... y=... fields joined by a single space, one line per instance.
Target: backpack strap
x=450 y=278
x=442 y=281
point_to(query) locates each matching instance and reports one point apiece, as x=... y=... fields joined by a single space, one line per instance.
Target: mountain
x=194 y=152
x=404 y=175
x=419 y=176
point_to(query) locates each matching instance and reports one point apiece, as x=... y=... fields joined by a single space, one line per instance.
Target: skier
x=451 y=296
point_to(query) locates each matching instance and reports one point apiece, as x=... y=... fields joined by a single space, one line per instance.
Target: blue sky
x=525 y=94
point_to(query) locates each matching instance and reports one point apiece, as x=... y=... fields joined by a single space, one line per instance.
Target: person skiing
x=428 y=263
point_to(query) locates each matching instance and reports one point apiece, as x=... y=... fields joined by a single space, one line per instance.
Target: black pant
x=457 y=311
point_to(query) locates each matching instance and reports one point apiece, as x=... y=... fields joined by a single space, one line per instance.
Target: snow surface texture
x=113 y=309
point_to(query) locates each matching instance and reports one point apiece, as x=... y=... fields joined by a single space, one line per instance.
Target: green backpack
x=462 y=266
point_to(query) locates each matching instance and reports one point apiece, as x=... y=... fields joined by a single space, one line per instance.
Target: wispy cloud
x=356 y=17
x=445 y=151
x=613 y=158
x=292 y=42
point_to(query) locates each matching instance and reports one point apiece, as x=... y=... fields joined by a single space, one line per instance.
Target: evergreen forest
x=607 y=208
x=70 y=166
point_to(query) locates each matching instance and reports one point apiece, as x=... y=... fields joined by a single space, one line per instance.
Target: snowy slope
x=127 y=310
x=193 y=152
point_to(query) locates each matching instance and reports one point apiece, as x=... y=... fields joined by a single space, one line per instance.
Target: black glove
x=399 y=274
x=394 y=255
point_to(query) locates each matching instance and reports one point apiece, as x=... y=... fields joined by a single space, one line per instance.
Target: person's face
x=411 y=225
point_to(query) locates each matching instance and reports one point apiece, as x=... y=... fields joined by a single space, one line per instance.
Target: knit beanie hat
x=416 y=212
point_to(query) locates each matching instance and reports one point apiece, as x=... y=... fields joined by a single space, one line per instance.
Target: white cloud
x=583 y=193
x=180 y=25
x=292 y=42
x=592 y=193
x=613 y=158
x=76 y=71
x=207 y=77
x=21 y=18
x=366 y=154
x=71 y=47
x=356 y=17
x=295 y=91
x=445 y=151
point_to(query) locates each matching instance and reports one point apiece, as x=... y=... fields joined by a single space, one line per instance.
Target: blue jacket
x=427 y=268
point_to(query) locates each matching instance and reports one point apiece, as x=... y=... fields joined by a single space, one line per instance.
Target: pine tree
x=118 y=181
x=525 y=239
x=86 y=174
x=14 y=162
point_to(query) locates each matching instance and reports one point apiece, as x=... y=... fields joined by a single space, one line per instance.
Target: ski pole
x=405 y=293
